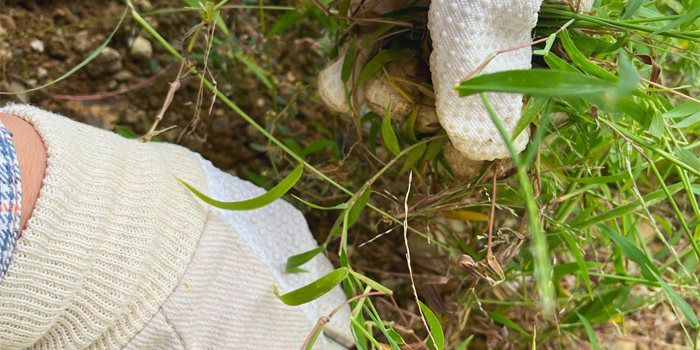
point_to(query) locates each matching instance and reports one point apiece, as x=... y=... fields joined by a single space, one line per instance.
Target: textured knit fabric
x=10 y=200
x=465 y=33
x=111 y=234
x=274 y=233
x=118 y=254
x=236 y=290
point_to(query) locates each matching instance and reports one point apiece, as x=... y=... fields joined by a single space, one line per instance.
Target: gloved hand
x=464 y=33
x=119 y=254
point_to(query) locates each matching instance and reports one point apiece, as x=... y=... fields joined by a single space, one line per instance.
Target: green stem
x=262 y=130
x=540 y=252
x=675 y=208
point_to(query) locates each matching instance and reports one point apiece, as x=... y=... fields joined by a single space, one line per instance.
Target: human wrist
x=31 y=154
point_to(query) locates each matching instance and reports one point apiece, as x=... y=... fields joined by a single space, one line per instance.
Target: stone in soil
x=58 y=47
x=123 y=75
x=41 y=72
x=108 y=61
x=141 y=49
x=94 y=114
x=37 y=45
x=7 y=25
x=144 y=5
x=16 y=88
x=5 y=54
x=84 y=41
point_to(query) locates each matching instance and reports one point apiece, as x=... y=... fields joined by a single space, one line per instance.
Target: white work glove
x=119 y=254
x=464 y=33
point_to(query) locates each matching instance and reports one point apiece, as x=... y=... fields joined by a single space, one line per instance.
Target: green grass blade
x=435 y=146
x=358 y=207
x=630 y=8
x=413 y=157
x=340 y=206
x=435 y=328
x=505 y=321
x=687 y=157
x=377 y=61
x=125 y=132
x=293 y=262
x=287 y=21
x=690 y=121
x=313 y=339
x=534 y=106
x=536 y=82
x=372 y=283
x=589 y=330
x=578 y=255
x=388 y=135
x=257 y=202
x=315 y=289
x=599 y=179
x=582 y=62
x=685 y=109
x=348 y=61
x=649 y=199
x=632 y=252
x=692 y=15
x=676 y=299
x=463 y=345
x=396 y=337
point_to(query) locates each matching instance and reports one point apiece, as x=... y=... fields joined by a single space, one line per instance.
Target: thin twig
x=408 y=256
x=493 y=55
x=489 y=252
x=670 y=90
x=325 y=319
x=174 y=86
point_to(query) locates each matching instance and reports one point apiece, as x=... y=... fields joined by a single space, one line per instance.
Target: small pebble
x=123 y=75
x=81 y=41
x=16 y=88
x=112 y=85
x=7 y=25
x=41 y=73
x=141 y=49
x=37 y=45
x=5 y=53
x=144 y=5
x=108 y=61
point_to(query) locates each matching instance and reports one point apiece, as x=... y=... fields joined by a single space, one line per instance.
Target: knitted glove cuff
x=111 y=234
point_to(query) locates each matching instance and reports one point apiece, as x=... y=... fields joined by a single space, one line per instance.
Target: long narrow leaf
x=589 y=330
x=687 y=121
x=534 y=106
x=632 y=252
x=390 y=140
x=505 y=321
x=676 y=299
x=435 y=328
x=536 y=82
x=293 y=262
x=578 y=255
x=257 y=202
x=315 y=289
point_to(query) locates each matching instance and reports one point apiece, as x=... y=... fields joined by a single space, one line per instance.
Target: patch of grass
x=595 y=234
x=610 y=217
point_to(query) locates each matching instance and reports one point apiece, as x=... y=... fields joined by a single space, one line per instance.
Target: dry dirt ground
x=45 y=39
